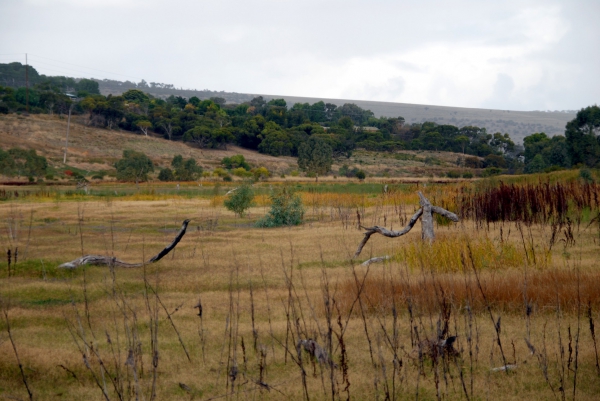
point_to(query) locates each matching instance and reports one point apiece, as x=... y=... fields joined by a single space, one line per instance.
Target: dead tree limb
x=111 y=261
x=425 y=213
x=388 y=233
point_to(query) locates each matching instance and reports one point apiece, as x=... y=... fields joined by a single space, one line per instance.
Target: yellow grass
x=273 y=286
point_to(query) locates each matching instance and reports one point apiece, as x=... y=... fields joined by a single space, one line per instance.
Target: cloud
x=424 y=51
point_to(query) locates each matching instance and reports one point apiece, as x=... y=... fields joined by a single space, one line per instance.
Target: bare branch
x=110 y=261
x=385 y=232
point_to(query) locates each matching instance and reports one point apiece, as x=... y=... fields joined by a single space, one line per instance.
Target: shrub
x=227 y=178
x=49 y=176
x=240 y=200
x=134 y=166
x=234 y=162
x=286 y=210
x=260 y=173
x=241 y=172
x=586 y=175
x=491 y=171
x=219 y=172
x=467 y=175
x=360 y=175
x=166 y=174
x=98 y=177
x=453 y=174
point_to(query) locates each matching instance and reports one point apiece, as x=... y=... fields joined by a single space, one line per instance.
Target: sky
x=509 y=55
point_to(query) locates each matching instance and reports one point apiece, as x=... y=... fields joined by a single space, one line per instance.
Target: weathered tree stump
x=114 y=262
x=425 y=213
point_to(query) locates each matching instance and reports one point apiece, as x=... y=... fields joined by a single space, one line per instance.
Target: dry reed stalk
x=16 y=352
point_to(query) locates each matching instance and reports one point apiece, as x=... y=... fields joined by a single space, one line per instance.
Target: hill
x=518 y=124
x=97 y=149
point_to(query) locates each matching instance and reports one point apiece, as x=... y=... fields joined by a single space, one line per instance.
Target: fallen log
x=114 y=262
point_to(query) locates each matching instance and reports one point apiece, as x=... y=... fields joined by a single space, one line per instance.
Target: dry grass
x=271 y=287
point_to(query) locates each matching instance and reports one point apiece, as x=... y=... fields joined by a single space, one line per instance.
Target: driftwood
x=425 y=213
x=111 y=261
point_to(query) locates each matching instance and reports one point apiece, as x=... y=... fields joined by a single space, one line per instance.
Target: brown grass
x=274 y=286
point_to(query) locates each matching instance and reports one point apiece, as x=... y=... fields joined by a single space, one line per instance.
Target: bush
x=227 y=178
x=491 y=171
x=241 y=172
x=134 y=166
x=586 y=175
x=219 y=172
x=49 y=176
x=166 y=174
x=260 y=173
x=453 y=174
x=467 y=175
x=286 y=210
x=360 y=175
x=240 y=200
x=234 y=162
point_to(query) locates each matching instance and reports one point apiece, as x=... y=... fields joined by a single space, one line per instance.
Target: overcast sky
x=516 y=55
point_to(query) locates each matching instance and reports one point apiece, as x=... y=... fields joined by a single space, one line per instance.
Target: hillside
x=96 y=149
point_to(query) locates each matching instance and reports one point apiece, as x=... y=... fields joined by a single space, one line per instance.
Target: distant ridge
x=518 y=124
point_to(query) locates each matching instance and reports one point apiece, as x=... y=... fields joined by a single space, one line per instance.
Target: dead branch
x=425 y=213
x=388 y=233
x=111 y=261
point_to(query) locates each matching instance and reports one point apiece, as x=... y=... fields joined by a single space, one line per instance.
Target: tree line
x=315 y=132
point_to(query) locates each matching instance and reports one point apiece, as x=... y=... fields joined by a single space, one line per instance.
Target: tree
x=275 y=142
x=206 y=137
x=185 y=170
x=462 y=140
x=134 y=166
x=315 y=156
x=536 y=165
x=240 y=200
x=582 y=133
x=89 y=86
x=144 y=126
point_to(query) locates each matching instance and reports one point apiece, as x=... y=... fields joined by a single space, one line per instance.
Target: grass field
x=504 y=289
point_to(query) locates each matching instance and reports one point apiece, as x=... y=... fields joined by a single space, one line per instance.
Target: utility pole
x=26 y=84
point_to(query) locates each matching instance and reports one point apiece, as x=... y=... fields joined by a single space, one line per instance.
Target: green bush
x=227 y=178
x=240 y=200
x=586 y=175
x=166 y=174
x=491 y=171
x=134 y=166
x=234 y=162
x=360 y=175
x=286 y=210
x=453 y=174
x=467 y=175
